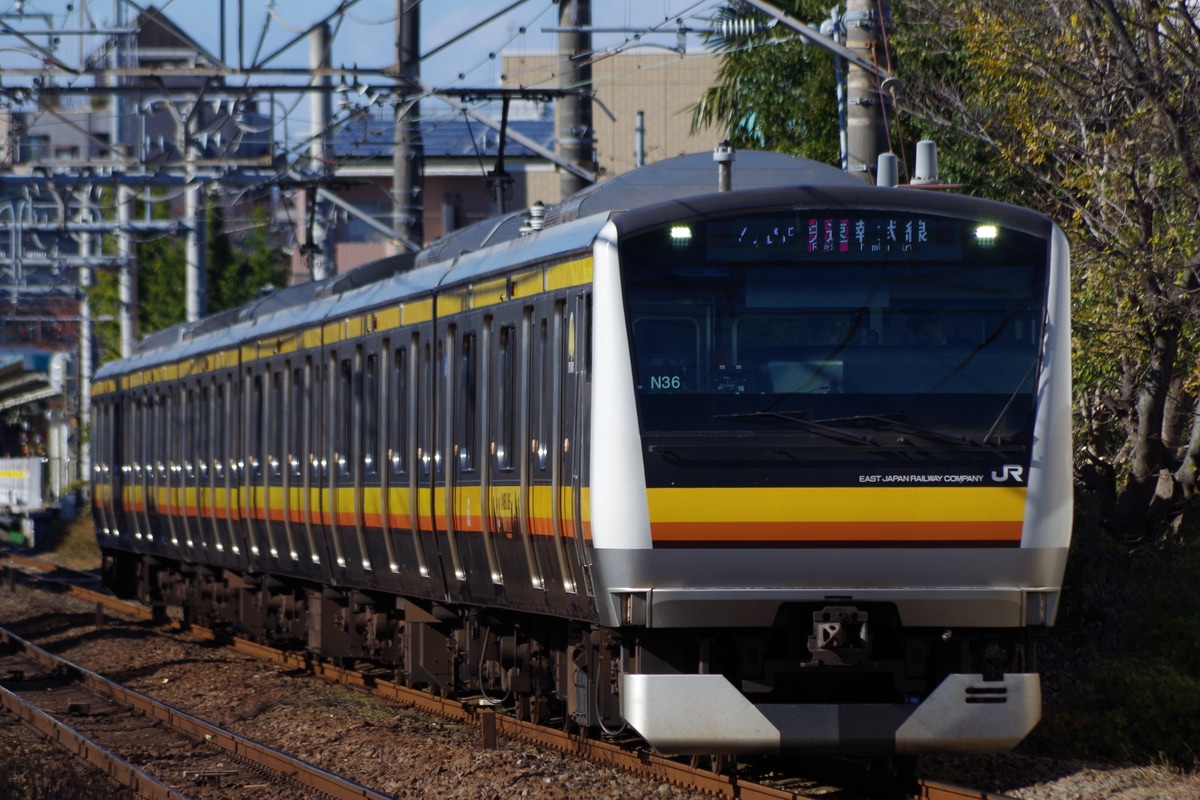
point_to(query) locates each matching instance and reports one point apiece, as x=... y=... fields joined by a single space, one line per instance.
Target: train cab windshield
x=832 y=324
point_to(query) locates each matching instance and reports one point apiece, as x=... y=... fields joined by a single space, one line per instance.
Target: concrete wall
x=664 y=86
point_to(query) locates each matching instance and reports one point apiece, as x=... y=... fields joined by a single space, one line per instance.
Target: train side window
x=166 y=439
x=203 y=434
x=469 y=404
x=317 y=401
x=370 y=406
x=174 y=440
x=295 y=424
x=220 y=452
x=545 y=394
x=344 y=417
x=256 y=423
x=275 y=427
x=506 y=398
x=585 y=333
x=425 y=415
x=398 y=422
x=162 y=441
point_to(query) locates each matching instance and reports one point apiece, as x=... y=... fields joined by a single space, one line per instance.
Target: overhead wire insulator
x=734 y=28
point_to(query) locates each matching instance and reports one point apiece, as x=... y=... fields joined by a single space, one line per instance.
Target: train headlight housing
x=986 y=235
x=681 y=235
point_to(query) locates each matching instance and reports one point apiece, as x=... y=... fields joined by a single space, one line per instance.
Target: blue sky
x=364 y=37
x=366 y=34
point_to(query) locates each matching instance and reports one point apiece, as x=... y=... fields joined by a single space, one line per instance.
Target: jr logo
x=1014 y=471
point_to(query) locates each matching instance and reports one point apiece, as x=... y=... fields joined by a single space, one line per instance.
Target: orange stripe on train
x=834 y=532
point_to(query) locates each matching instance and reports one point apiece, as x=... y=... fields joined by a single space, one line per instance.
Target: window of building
x=37 y=148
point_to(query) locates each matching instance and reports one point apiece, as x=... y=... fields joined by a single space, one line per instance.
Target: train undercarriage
x=851 y=676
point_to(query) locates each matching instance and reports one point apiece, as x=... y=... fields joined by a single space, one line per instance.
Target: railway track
x=158 y=751
x=490 y=724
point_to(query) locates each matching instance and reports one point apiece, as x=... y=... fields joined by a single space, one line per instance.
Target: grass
x=71 y=543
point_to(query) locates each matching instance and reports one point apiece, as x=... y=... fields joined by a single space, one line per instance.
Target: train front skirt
x=706 y=714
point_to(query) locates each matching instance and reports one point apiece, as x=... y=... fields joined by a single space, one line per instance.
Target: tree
x=1088 y=111
x=240 y=264
x=243 y=263
x=775 y=92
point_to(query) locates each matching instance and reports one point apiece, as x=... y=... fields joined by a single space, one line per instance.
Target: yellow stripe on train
x=854 y=515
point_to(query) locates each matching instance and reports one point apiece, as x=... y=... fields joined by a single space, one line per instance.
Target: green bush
x=1135 y=711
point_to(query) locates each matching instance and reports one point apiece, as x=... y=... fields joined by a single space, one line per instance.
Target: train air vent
x=987 y=694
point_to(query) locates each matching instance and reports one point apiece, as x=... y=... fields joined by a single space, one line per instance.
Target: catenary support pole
x=408 y=159
x=127 y=295
x=574 y=112
x=869 y=106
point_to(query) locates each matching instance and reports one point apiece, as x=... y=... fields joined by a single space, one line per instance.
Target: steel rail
x=269 y=758
x=575 y=744
x=80 y=746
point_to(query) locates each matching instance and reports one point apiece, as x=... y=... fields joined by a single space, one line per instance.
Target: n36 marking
x=666 y=382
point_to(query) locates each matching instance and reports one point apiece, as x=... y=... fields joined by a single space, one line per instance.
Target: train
x=780 y=469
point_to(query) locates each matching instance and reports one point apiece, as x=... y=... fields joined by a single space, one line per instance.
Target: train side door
x=468 y=523
x=402 y=473
x=315 y=453
x=576 y=343
x=116 y=456
x=450 y=385
x=429 y=384
x=226 y=464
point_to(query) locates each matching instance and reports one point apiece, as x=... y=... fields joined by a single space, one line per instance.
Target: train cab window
x=668 y=351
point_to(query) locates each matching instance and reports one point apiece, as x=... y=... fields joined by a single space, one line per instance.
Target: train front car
x=830 y=478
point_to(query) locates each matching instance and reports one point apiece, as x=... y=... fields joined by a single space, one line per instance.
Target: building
x=79 y=129
x=460 y=174
x=662 y=88
x=460 y=154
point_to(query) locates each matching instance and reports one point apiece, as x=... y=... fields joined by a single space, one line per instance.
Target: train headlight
x=986 y=235
x=681 y=235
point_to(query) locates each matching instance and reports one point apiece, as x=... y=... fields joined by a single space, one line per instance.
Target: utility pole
x=870 y=76
x=867 y=24
x=196 y=277
x=408 y=159
x=84 y=458
x=321 y=260
x=127 y=297
x=574 y=111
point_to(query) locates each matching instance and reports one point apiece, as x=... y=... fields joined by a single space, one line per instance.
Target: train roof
x=504 y=241
x=669 y=179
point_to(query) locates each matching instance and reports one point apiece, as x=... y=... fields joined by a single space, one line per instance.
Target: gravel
x=408 y=754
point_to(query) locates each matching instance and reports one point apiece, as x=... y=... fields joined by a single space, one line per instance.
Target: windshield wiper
x=896 y=423
x=815 y=427
x=1011 y=398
